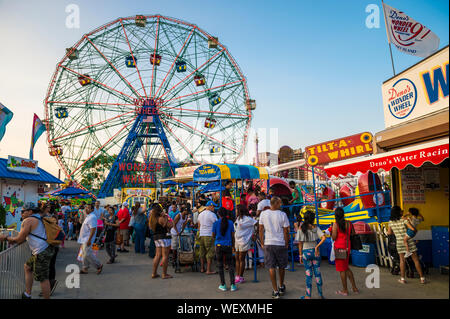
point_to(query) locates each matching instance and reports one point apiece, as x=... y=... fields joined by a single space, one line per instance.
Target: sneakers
x=239 y=280
x=223 y=287
x=25 y=296
x=282 y=290
x=233 y=288
x=275 y=295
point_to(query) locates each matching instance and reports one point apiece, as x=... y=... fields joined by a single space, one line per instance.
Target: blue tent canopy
x=212 y=187
x=169 y=183
x=191 y=184
x=71 y=191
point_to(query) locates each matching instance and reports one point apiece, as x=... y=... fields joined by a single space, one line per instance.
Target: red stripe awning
x=435 y=152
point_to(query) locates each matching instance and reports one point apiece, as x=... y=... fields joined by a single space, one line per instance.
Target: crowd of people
x=223 y=233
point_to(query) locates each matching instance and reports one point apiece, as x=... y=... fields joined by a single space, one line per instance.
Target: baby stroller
x=393 y=254
x=185 y=252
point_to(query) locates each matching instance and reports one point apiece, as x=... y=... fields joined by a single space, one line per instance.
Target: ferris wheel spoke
x=134 y=59
x=93 y=125
x=179 y=141
x=83 y=105
x=193 y=72
x=173 y=63
x=154 y=53
x=114 y=68
x=201 y=113
x=102 y=84
x=203 y=91
x=198 y=131
x=100 y=148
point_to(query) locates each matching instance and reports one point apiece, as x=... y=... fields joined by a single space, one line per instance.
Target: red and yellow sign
x=340 y=149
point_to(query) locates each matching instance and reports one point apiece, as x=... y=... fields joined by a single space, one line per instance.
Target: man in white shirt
x=206 y=219
x=86 y=237
x=274 y=233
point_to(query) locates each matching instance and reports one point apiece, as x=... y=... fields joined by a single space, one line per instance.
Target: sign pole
x=390 y=49
x=315 y=196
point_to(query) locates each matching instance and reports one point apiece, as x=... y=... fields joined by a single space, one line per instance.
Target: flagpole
x=390 y=49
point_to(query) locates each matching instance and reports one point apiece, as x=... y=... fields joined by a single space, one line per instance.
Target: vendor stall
x=209 y=173
x=21 y=181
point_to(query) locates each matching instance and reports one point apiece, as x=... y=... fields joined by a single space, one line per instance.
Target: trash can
x=365 y=256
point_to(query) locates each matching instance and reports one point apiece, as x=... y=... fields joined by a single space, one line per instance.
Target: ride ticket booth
x=144 y=196
x=414 y=148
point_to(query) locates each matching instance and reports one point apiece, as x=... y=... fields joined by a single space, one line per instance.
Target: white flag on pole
x=408 y=35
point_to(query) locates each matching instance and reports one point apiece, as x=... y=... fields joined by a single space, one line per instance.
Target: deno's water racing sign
x=340 y=149
x=420 y=90
x=22 y=165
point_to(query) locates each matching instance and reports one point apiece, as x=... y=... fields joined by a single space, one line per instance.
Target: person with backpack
x=45 y=213
x=86 y=238
x=38 y=266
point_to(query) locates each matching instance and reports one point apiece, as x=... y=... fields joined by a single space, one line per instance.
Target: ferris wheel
x=142 y=89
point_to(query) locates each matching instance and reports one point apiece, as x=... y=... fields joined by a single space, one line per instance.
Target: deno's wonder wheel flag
x=146 y=88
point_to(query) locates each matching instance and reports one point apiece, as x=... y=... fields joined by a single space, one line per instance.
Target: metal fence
x=12 y=274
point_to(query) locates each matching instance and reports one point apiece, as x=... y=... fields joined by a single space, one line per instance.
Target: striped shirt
x=399 y=229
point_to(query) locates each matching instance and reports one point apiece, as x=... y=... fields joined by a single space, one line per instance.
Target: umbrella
x=168 y=183
x=191 y=184
x=213 y=187
x=71 y=191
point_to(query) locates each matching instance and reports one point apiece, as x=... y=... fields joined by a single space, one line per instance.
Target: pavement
x=130 y=278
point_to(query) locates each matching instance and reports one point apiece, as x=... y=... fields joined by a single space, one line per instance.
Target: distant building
x=267 y=159
x=287 y=154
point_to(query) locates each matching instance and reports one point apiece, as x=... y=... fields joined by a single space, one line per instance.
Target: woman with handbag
x=341 y=232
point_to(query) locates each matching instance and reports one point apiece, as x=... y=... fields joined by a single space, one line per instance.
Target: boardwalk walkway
x=130 y=278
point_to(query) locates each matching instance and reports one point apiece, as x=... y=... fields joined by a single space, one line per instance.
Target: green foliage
x=95 y=170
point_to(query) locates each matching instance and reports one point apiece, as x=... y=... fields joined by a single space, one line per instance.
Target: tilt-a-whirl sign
x=340 y=149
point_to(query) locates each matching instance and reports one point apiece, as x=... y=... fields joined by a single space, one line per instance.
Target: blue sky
x=313 y=67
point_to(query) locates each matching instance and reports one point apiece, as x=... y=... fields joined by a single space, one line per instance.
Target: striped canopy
x=215 y=172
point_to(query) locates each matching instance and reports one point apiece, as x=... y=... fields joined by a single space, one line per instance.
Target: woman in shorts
x=244 y=227
x=160 y=225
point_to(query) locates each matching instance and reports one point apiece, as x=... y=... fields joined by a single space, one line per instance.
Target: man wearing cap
x=124 y=220
x=205 y=222
x=38 y=266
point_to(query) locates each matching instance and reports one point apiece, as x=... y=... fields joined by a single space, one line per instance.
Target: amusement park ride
x=146 y=89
